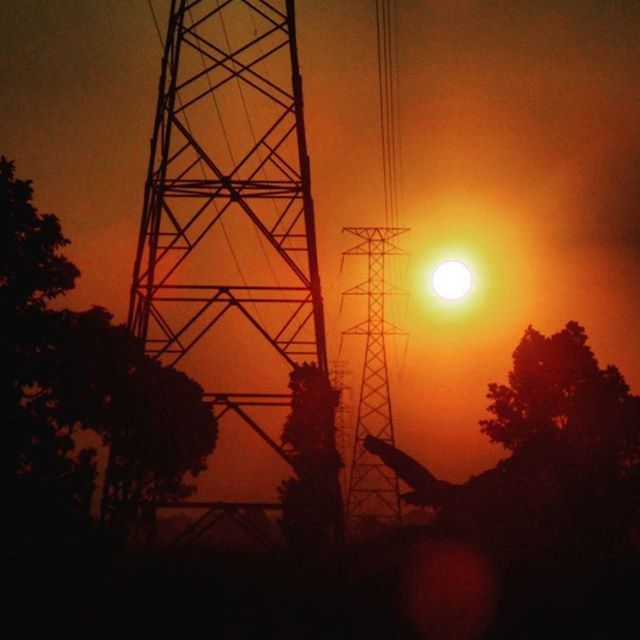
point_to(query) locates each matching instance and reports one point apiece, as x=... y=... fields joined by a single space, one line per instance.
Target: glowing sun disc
x=452 y=280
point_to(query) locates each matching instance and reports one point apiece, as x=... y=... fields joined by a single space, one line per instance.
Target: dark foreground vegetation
x=406 y=584
x=546 y=545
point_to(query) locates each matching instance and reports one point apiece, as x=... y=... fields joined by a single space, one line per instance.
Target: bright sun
x=452 y=280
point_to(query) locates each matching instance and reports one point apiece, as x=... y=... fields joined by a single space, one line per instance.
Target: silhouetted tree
x=557 y=392
x=571 y=484
x=63 y=371
x=574 y=429
x=312 y=503
x=159 y=429
x=562 y=512
x=153 y=418
x=31 y=269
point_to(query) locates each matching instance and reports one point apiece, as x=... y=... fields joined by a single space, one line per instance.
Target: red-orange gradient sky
x=521 y=153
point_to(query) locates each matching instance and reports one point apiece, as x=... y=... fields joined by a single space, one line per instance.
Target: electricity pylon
x=226 y=264
x=373 y=488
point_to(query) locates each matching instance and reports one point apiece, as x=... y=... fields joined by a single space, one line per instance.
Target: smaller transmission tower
x=373 y=488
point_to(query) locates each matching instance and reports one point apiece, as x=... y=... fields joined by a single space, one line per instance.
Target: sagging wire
x=387 y=27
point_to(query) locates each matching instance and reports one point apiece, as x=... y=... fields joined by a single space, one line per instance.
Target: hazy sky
x=521 y=152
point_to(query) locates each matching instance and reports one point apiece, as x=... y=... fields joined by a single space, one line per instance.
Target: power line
x=388 y=92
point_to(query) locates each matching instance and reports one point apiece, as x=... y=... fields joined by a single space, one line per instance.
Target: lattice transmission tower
x=226 y=272
x=373 y=488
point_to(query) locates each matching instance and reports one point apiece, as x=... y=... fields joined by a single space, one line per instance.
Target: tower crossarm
x=206 y=306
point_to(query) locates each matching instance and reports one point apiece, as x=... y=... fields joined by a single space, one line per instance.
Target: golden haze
x=521 y=131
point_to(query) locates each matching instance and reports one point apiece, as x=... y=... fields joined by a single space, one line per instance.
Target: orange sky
x=521 y=154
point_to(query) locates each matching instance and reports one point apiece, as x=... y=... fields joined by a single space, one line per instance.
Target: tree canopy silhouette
x=311 y=501
x=558 y=392
x=64 y=372
x=573 y=430
x=32 y=270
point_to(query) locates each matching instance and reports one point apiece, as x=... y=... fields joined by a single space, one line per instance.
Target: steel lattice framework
x=227 y=230
x=373 y=487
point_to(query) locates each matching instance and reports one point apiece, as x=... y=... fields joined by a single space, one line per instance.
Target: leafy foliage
x=574 y=429
x=312 y=503
x=90 y=374
x=65 y=372
x=39 y=445
x=31 y=269
x=159 y=428
x=557 y=391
